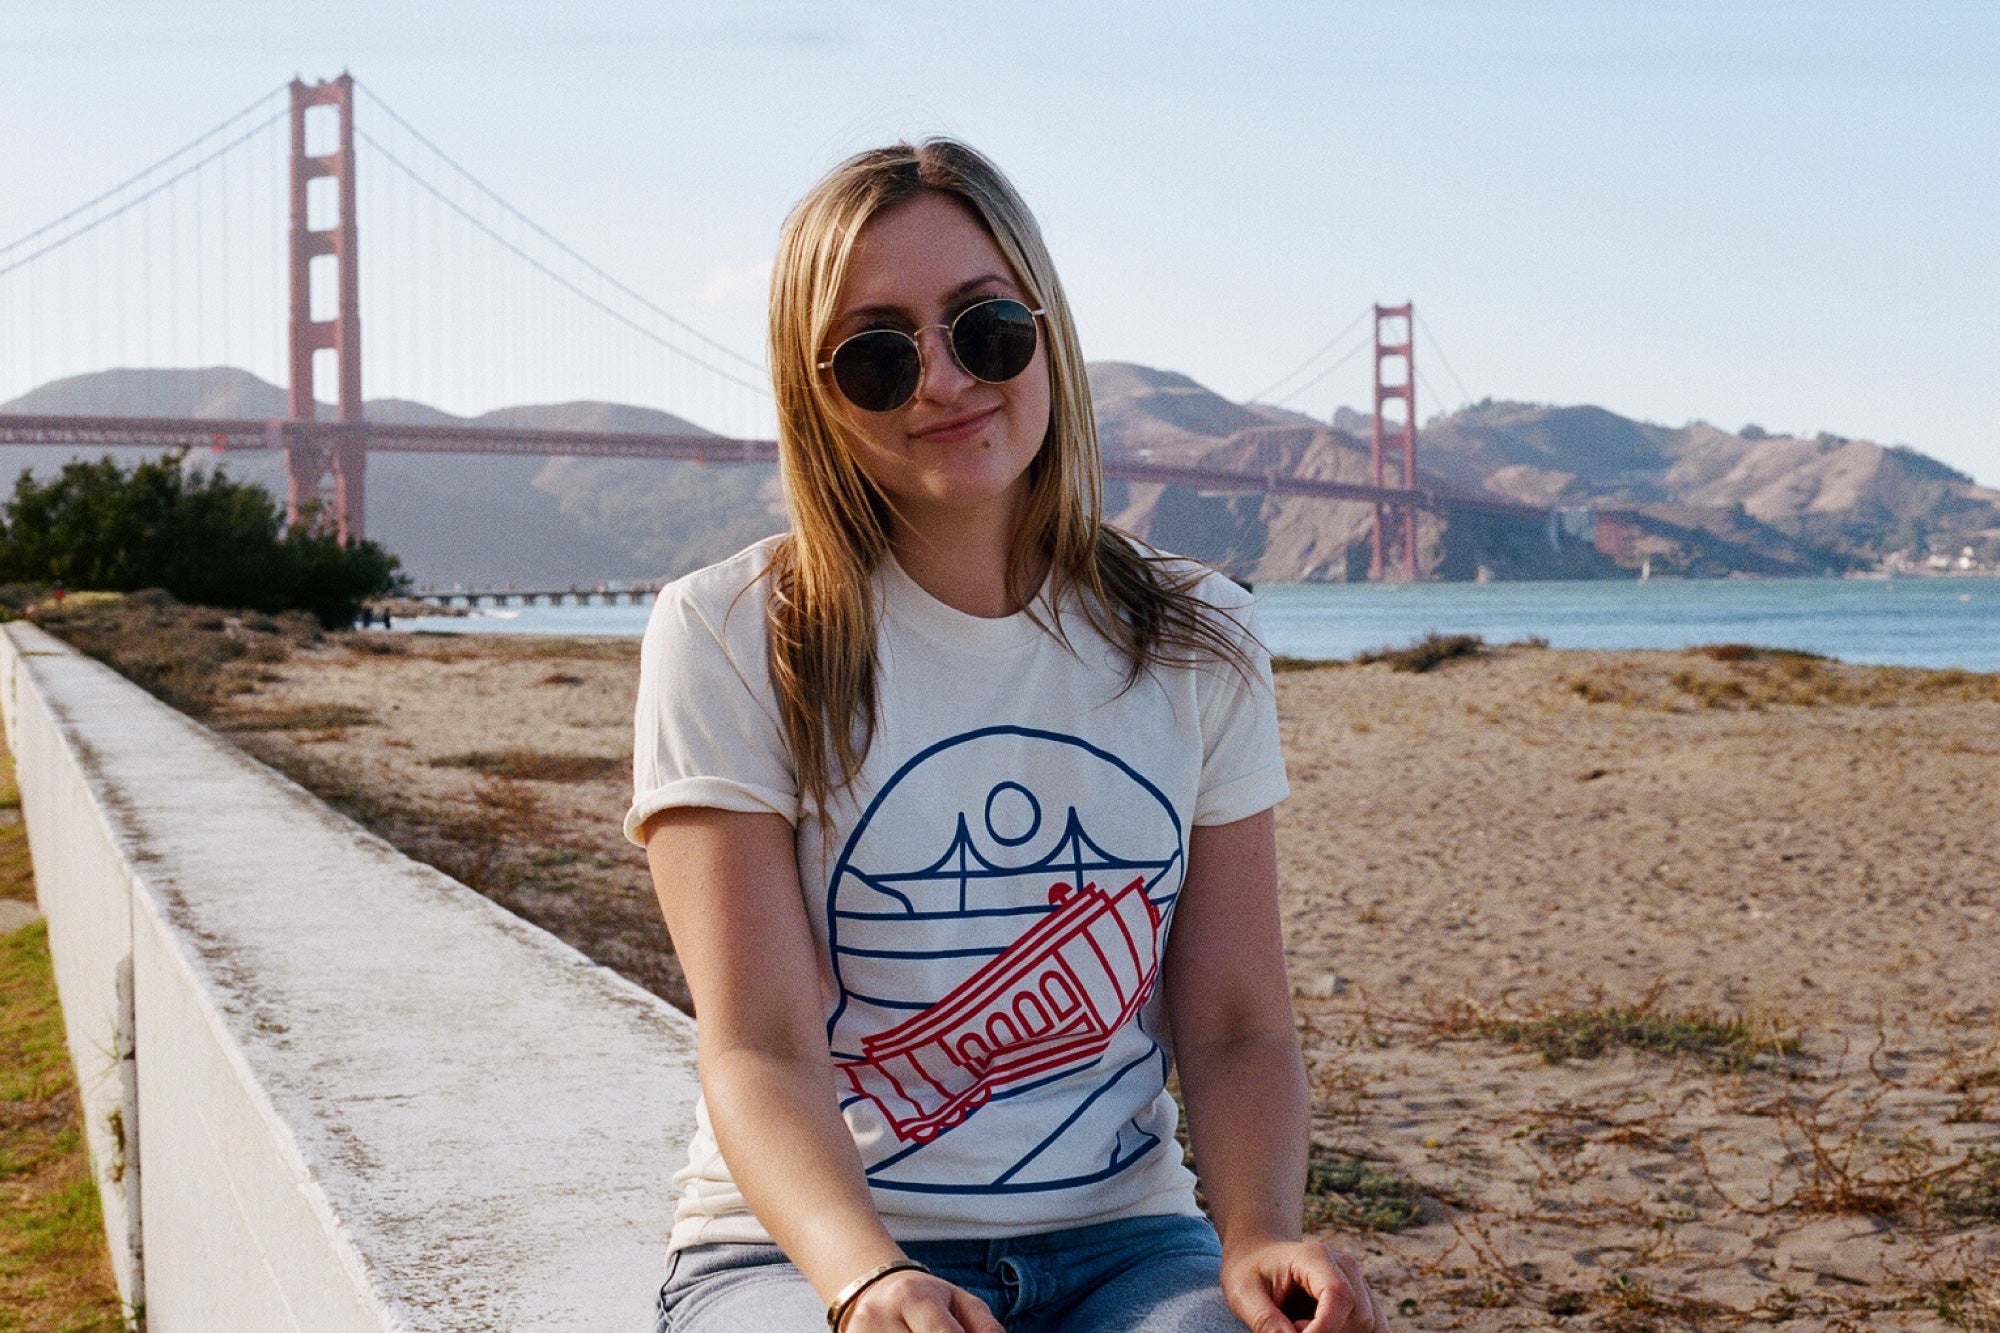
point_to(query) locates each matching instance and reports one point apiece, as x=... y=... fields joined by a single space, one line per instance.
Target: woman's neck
x=962 y=560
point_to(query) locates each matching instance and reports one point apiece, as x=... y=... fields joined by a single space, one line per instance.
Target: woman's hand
x=916 y=1302
x=1299 y=1287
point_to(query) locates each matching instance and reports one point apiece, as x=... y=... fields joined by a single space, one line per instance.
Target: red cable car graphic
x=1052 y=998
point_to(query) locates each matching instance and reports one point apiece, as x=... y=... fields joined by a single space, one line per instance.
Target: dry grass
x=1730 y=1043
x=1427 y=653
x=193 y=657
x=1282 y=662
x=1839 y=1167
x=1739 y=677
x=535 y=765
x=303 y=717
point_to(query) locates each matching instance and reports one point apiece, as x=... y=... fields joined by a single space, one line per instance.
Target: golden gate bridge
x=196 y=243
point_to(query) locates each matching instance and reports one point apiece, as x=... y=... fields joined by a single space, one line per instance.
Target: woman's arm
x=1236 y=1044
x=728 y=885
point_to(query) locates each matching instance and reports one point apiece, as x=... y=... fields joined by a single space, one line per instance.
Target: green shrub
x=200 y=535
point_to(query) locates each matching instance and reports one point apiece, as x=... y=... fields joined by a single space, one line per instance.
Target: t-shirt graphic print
x=991 y=897
x=1017 y=959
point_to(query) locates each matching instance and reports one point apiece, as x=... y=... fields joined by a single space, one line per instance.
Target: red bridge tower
x=1395 y=521
x=326 y=467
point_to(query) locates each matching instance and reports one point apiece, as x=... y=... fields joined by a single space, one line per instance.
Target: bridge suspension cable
x=1464 y=395
x=132 y=180
x=156 y=271
x=192 y=169
x=553 y=239
x=1264 y=395
x=1292 y=397
x=474 y=305
x=547 y=272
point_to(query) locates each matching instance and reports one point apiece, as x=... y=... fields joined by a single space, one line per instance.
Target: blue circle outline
x=1034 y=819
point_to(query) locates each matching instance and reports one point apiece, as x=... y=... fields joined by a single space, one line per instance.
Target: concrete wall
x=328 y=1088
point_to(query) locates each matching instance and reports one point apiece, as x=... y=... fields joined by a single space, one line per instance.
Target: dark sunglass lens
x=877 y=371
x=994 y=340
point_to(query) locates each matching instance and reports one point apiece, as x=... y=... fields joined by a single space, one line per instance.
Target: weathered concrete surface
x=365 y=1096
x=84 y=885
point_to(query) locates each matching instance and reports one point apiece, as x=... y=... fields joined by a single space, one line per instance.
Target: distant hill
x=475 y=519
x=1701 y=500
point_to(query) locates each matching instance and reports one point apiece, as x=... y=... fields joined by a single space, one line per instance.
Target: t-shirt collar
x=904 y=599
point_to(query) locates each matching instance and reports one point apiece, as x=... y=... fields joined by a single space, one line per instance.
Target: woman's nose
x=943 y=378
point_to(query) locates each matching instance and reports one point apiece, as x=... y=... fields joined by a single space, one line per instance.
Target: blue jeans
x=1139 y=1275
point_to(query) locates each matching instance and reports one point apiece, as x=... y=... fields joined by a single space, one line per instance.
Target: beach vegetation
x=199 y=534
x=190 y=657
x=1744 y=652
x=1347 y=1192
x=1731 y=1043
x=1969 y=1192
x=1968 y=1302
x=1427 y=653
x=535 y=765
x=300 y=717
x=1283 y=662
x=1739 y=677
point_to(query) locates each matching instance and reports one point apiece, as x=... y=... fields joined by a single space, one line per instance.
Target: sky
x=1771 y=211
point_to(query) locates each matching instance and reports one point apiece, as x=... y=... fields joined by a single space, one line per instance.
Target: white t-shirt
x=992 y=901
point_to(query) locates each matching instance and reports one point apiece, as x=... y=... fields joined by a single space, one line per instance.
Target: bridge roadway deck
x=233 y=434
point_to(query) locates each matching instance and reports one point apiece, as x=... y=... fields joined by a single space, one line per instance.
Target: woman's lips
x=957 y=430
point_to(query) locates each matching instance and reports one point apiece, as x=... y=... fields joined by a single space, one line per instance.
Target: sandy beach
x=1640 y=990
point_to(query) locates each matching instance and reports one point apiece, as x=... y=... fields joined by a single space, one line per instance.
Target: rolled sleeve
x=1242 y=768
x=705 y=728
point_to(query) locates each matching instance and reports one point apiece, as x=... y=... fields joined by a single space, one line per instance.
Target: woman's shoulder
x=727 y=598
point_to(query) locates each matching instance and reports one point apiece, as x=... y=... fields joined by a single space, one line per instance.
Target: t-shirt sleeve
x=706 y=729
x=1242 y=768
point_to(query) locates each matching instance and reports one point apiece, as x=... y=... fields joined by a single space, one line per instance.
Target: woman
x=958 y=804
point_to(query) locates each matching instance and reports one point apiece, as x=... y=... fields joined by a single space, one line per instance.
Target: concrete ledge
x=328 y=1088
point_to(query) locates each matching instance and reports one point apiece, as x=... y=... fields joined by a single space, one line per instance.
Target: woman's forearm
x=790 y=1153
x=1248 y=1120
x=728 y=887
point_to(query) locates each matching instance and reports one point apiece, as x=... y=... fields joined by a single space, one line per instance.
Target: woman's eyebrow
x=972 y=285
x=966 y=288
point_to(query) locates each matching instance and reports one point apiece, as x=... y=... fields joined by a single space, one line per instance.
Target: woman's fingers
x=973 y=1313
x=1302 y=1287
x=1346 y=1303
x=1369 y=1309
x=914 y=1302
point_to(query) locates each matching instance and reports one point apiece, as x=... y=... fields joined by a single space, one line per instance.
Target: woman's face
x=960 y=448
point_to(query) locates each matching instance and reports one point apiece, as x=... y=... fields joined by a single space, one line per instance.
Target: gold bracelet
x=852 y=1291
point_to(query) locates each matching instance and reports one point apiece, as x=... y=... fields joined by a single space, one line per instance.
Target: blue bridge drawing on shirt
x=1017 y=956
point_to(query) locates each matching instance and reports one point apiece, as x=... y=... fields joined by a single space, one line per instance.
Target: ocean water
x=1941 y=622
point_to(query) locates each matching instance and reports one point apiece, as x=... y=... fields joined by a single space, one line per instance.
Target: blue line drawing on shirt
x=1030 y=816
x=1032 y=946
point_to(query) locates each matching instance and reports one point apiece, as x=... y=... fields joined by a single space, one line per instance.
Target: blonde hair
x=822 y=617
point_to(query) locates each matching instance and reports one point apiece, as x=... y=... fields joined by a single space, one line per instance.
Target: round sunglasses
x=878 y=370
